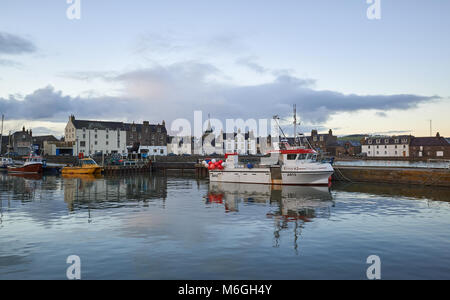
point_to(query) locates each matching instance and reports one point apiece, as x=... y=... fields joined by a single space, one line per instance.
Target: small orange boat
x=85 y=166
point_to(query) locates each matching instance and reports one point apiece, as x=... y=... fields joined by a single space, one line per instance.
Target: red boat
x=33 y=165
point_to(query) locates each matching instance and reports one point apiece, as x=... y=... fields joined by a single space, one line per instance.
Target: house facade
x=96 y=137
x=21 y=142
x=151 y=139
x=384 y=146
x=430 y=147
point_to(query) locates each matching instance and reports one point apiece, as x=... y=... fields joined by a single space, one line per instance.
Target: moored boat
x=85 y=166
x=283 y=167
x=5 y=162
x=33 y=165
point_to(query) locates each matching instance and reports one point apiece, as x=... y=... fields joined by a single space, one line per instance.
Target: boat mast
x=295 y=124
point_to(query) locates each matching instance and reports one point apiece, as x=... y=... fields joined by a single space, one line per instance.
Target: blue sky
x=154 y=60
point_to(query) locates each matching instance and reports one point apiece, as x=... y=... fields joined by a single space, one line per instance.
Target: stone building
x=344 y=148
x=152 y=139
x=430 y=147
x=21 y=142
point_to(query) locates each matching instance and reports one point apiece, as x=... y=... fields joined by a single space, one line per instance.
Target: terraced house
x=104 y=137
x=384 y=146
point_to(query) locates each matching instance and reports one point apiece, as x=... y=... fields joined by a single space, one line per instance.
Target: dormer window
x=386 y=141
x=369 y=142
x=378 y=141
x=397 y=141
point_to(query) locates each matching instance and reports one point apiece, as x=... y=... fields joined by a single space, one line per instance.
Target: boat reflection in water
x=295 y=205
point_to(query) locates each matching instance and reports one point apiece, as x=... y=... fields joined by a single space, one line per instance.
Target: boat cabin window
x=292 y=156
x=302 y=156
x=89 y=162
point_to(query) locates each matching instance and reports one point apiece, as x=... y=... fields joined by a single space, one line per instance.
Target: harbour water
x=169 y=227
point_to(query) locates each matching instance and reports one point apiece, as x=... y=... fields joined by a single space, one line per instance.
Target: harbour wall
x=412 y=176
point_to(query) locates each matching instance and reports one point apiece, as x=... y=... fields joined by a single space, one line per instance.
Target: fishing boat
x=33 y=165
x=85 y=166
x=283 y=167
x=288 y=165
x=5 y=162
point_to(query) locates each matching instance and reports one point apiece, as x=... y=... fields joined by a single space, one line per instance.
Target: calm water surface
x=157 y=227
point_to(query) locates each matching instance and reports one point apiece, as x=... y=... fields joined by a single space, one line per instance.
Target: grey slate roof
x=429 y=141
x=101 y=125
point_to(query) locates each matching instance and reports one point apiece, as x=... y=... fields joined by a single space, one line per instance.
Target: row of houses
x=92 y=137
x=436 y=147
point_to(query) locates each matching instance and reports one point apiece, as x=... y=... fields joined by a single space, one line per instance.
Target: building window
x=386 y=141
x=84 y=136
x=378 y=141
x=82 y=144
x=107 y=136
x=369 y=142
x=107 y=143
x=396 y=141
x=95 y=142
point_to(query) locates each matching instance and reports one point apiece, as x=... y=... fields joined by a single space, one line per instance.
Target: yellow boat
x=86 y=166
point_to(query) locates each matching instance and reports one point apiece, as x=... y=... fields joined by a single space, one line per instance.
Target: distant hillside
x=352 y=137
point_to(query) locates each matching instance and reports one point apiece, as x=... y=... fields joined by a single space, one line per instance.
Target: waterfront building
x=104 y=137
x=430 y=147
x=58 y=148
x=344 y=148
x=21 y=142
x=96 y=137
x=147 y=138
x=385 y=146
x=38 y=142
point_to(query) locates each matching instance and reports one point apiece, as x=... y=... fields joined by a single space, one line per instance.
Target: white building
x=93 y=137
x=397 y=146
x=241 y=143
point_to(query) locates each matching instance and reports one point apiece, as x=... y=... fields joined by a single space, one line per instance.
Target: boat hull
x=264 y=176
x=81 y=171
x=27 y=169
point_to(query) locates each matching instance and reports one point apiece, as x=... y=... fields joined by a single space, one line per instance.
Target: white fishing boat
x=283 y=167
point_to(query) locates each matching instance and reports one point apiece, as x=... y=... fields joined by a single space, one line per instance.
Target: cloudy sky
x=162 y=60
